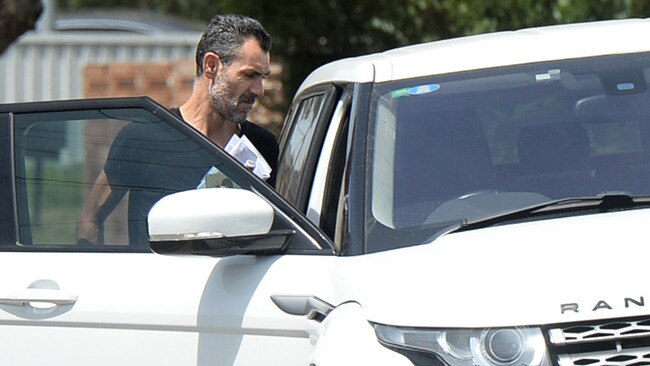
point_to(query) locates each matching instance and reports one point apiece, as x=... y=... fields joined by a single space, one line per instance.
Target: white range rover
x=476 y=201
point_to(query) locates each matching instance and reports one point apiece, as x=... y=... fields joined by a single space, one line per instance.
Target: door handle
x=34 y=297
x=310 y=306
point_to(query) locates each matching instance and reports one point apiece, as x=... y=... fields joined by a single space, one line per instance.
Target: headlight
x=467 y=347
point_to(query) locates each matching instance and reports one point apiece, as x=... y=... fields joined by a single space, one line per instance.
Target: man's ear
x=211 y=64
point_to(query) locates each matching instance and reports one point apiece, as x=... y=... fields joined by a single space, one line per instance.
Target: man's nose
x=257 y=87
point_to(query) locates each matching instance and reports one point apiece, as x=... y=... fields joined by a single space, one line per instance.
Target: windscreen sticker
x=548 y=76
x=416 y=90
x=625 y=86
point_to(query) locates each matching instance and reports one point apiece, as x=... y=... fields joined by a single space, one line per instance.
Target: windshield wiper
x=604 y=202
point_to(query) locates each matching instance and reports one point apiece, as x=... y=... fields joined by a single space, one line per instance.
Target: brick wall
x=170 y=84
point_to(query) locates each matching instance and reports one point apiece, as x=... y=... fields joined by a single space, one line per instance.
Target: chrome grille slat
x=628 y=358
x=616 y=342
x=611 y=330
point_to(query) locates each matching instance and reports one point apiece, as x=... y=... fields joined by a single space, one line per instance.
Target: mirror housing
x=214 y=222
x=608 y=108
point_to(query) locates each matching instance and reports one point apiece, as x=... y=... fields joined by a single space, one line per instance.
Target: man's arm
x=100 y=203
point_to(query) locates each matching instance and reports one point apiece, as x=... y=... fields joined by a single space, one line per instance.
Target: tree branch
x=16 y=18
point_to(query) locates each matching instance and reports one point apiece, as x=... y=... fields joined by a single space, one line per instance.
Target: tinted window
x=465 y=146
x=60 y=160
x=302 y=140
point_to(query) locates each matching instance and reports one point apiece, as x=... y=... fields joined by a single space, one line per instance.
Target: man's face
x=238 y=85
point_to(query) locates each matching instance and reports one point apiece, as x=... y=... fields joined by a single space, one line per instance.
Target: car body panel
x=517 y=274
x=486 y=51
x=110 y=304
x=348 y=339
x=578 y=276
x=129 y=303
x=156 y=309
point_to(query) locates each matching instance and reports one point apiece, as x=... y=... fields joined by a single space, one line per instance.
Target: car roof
x=489 y=50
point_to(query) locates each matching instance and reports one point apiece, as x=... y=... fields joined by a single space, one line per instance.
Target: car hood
x=592 y=266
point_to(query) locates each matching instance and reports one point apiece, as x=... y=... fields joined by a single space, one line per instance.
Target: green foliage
x=309 y=33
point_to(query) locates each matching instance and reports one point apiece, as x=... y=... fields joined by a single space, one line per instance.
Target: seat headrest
x=552 y=147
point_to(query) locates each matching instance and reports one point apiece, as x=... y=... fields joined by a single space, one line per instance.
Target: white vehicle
x=476 y=201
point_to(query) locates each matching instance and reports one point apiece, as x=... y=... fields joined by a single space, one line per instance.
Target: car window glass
x=61 y=157
x=450 y=148
x=293 y=158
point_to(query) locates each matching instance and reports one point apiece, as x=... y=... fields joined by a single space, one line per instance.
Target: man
x=232 y=61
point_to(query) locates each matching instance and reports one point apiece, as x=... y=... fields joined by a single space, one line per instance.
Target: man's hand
x=101 y=201
x=88 y=232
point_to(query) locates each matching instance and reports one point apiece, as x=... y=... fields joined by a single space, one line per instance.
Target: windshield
x=459 y=147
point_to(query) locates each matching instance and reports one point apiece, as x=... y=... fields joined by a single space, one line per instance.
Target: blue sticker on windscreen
x=625 y=86
x=416 y=90
x=423 y=89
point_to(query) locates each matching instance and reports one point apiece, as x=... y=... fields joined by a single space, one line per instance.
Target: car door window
x=61 y=157
x=301 y=144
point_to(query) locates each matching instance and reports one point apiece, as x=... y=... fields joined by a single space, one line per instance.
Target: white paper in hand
x=242 y=149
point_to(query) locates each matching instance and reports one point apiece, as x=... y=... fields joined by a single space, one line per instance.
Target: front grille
x=617 y=342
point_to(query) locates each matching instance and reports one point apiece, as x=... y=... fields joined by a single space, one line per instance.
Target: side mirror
x=214 y=222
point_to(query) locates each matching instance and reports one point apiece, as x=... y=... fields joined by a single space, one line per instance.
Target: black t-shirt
x=150 y=161
x=263 y=140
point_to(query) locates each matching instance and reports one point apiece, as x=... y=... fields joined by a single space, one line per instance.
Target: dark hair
x=226 y=34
